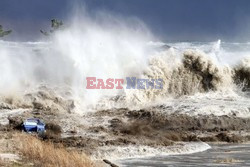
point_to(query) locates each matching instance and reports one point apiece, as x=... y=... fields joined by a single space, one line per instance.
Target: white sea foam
x=136 y=151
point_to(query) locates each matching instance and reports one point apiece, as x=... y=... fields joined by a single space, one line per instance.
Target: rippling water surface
x=219 y=155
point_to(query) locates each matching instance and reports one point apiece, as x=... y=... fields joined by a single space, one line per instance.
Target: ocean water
x=187 y=69
x=199 y=78
x=227 y=155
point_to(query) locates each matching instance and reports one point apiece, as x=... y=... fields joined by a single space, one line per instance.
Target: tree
x=55 y=25
x=3 y=33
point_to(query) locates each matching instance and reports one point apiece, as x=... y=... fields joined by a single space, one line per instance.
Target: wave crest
x=242 y=74
x=193 y=72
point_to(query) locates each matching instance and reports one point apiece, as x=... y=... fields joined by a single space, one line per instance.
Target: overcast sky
x=171 y=20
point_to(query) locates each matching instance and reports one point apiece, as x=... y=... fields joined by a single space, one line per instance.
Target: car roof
x=33 y=120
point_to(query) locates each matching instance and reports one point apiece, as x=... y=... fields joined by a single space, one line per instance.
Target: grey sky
x=171 y=20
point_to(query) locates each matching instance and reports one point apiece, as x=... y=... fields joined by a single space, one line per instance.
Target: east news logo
x=131 y=83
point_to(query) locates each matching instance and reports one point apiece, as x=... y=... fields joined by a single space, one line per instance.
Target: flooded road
x=227 y=155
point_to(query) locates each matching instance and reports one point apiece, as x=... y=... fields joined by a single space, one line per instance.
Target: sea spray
x=93 y=48
x=98 y=47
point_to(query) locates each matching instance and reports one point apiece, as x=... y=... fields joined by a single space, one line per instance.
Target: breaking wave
x=117 y=48
x=101 y=47
x=189 y=72
x=242 y=74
